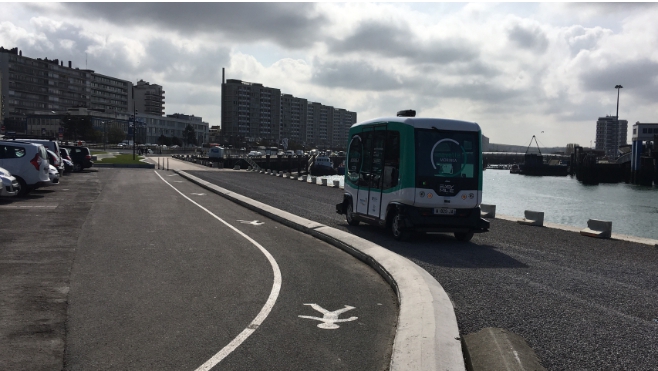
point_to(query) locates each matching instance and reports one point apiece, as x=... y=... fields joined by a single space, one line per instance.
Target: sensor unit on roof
x=407 y=113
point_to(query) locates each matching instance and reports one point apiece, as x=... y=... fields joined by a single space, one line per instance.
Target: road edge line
x=427 y=335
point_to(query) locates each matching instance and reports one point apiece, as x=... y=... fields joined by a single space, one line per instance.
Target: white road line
x=264 y=312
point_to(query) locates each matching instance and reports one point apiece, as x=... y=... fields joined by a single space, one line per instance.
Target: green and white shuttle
x=413 y=174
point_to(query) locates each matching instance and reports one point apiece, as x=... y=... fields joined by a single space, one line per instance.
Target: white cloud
x=517 y=69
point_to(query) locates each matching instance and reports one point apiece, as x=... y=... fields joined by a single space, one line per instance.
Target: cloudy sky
x=518 y=70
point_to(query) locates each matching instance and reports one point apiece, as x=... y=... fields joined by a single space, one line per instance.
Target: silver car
x=10 y=186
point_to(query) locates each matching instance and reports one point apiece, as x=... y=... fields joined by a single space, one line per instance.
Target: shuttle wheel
x=463 y=236
x=349 y=215
x=396 y=227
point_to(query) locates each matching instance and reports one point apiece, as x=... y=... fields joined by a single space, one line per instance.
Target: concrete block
x=488 y=211
x=236 y=167
x=533 y=218
x=279 y=174
x=323 y=181
x=313 y=179
x=336 y=183
x=285 y=175
x=498 y=349
x=303 y=178
x=597 y=229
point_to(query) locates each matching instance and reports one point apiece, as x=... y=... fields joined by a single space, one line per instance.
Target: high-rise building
x=252 y=112
x=44 y=85
x=341 y=123
x=149 y=98
x=610 y=134
x=293 y=118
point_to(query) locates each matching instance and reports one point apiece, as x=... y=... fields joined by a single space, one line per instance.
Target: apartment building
x=149 y=98
x=252 y=112
x=341 y=121
x=32 y=85
x=610 y=134
x=293 y=118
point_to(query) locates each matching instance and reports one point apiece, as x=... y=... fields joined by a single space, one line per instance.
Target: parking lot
x=39 y=233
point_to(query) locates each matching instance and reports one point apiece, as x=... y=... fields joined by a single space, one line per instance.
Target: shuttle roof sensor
x=407 y=113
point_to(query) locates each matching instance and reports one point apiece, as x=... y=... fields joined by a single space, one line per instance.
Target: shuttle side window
x=392 y=160
x=354 y=159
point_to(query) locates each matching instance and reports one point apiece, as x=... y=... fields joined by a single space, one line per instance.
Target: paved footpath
x=160 y=282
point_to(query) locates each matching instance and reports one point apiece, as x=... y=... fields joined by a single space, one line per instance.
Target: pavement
x=427 y=336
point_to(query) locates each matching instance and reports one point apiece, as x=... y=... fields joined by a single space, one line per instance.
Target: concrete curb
x=427 y=335
x=139 y=166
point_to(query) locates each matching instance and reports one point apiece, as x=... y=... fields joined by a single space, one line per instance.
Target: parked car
x=10 y=186
x=53 y=175
x=28 y=162
x=68 y=165
x=66 y=159
x=254 y=154
x=56 y=161
x=51 y=145
x=81 y=157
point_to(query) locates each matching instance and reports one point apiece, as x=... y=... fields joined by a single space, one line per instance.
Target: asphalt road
x=159 y=283
x=115 y=270
x=580 y=303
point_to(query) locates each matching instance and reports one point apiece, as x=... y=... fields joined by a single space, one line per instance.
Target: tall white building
x=610 y=134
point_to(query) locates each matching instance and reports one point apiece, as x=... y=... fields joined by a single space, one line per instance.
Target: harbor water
x=632 y=209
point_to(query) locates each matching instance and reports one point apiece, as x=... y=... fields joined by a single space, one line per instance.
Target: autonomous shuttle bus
x=413 y=174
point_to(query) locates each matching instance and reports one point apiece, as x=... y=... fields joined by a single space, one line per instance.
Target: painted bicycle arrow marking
x=252 y=222
x=329 y=319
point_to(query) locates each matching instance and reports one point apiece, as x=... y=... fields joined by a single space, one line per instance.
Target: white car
x=254 y=154
x=28 y=162
x=9 y=184
x=53 y=174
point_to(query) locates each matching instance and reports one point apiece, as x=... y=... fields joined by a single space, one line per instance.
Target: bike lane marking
x=264 y=312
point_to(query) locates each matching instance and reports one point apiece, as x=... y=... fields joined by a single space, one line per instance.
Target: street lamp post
x=618 y=87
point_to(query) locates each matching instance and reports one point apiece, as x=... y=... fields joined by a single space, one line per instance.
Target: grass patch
x=123 y=159
x=98 y=152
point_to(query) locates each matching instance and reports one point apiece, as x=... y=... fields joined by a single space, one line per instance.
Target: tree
x=78 y=127
x=176 y=141
x=163 y=140
x=115 y=135
x=189 y=136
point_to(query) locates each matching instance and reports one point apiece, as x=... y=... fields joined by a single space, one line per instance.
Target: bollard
x=535 y=218
x=236 y=167
x=488 y=211
x=280 y=173
x=167 y=163
x=597 y=229
x=158 y=163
